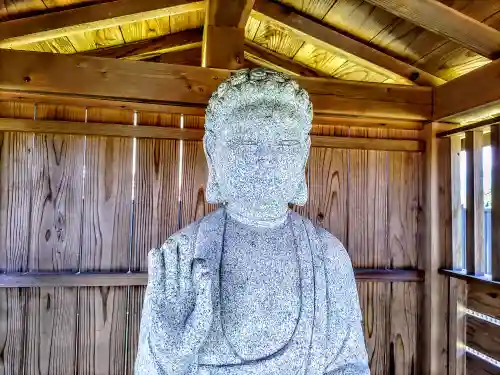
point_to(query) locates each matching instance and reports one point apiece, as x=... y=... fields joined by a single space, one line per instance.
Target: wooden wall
x=66 y=205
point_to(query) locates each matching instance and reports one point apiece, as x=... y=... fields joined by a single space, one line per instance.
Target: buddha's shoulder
x=189 y=233
x=330 y=247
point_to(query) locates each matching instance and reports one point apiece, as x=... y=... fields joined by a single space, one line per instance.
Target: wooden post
x=457 y=288
x=224 y=33
x=456 y=261
x=495 y=201
x=474 y=236
x=436 y=241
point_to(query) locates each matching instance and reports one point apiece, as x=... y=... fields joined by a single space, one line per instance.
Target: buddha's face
x=259 y=159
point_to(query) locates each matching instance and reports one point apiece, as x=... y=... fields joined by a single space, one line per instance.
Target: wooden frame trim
x=474 y=245
x=88 y=18
x=70 y=279
x=159 y=132
x=495 y=200
x=450 y=23
x=188 y=86
x=476 y=90
x=462 y=275
x=485 y=124
x=327 y=37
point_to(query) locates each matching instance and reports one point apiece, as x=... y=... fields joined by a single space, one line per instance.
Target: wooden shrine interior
x=101 y=120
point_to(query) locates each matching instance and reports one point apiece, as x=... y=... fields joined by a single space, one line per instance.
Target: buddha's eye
x=289 y=143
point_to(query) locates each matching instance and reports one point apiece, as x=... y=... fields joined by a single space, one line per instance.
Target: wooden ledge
x=70 y=279
x=462 y=275
x=160 y=132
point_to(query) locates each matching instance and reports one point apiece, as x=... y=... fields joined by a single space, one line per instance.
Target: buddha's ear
x=301 y=195
x=212 y=193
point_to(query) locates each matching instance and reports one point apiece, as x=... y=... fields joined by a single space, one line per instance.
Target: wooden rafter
x=265 y=57
x=191 y=56
x=473 y=91
x=87 y=18
x=148 y=48
x=329 y=39
x=447 y=22
x=224 y=33
x=142 y=82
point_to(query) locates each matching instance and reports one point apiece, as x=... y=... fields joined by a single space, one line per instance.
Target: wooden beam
x=447 y=22
x=164 y=84
x=329 y=38
x=148 y=48
x=87 y=18
x=457 y=327
x=475 y=259
x=435 y=242
x=495 y=202
x=263 y=56
x=484 y=337
x=471 y=279
x=224 y=33
x=469 y=93
x=82 y=279
x=116 y=130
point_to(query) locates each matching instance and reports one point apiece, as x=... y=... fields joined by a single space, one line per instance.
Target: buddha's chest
x=260 y=295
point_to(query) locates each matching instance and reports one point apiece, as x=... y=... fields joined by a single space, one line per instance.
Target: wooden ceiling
x=408 y=42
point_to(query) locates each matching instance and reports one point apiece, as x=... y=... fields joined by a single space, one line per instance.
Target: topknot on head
x=258 y=89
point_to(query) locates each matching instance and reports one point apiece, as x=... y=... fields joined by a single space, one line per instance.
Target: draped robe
x=328 y=338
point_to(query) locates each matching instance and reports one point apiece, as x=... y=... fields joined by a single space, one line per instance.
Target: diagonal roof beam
x=224 y=33
x=329 y=39
x=148 y=48
x=447 y=22
x=265 y=57
x=87 y=18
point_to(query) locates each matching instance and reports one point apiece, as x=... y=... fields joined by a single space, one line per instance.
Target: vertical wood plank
x=404 y=207
x=194 y=176
x=495 y=202
x=105 y=246
x=328 y=193
x=455 y=260
x=156 y=206
x=367 y=238
x=457 y=327
x=474 y=237
x=54 y=243
x=15 y=207
x=434 y=244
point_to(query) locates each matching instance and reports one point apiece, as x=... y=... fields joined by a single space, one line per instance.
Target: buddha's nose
x=266 y=155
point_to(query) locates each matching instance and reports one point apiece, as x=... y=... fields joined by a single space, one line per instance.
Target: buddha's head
x=257 y=140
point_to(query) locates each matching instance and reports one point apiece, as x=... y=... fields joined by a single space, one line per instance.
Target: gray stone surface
x=253 y=288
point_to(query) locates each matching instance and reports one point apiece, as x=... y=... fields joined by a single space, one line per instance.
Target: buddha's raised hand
x=177 y=313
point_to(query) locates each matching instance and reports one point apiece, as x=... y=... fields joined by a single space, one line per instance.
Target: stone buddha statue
x=253 y=288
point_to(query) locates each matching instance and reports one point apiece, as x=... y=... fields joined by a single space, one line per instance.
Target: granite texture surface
x=253 y=288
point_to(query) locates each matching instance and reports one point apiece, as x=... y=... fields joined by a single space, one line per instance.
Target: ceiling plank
x=143 y=82
x=447 y=22
x=261 y=56
x=326 y=37
x=148 y=48
x=474 y=91
x=88 y=18
x=224 y=33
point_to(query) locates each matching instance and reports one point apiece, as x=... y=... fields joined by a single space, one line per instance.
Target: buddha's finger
x=185 y=272
x=171 y=258
x=200 y=320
